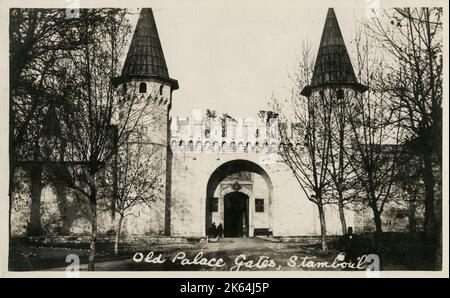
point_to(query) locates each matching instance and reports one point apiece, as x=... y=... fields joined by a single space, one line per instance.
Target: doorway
x=236 y=214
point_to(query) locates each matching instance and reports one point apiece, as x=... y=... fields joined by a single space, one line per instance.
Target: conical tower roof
x=333 y=67
x=145 y=58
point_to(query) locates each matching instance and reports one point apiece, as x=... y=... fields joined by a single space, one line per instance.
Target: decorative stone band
x=206 y=146
x=144 y=99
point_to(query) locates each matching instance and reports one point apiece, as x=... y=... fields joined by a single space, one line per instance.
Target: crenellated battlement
x=211 y=133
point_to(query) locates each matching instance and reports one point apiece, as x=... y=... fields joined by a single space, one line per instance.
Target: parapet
x=205 y=133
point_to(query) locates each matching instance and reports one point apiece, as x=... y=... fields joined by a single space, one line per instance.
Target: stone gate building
x=217 y=171
x=223 y=172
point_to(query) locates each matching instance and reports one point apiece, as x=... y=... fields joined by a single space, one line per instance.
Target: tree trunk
x=428 y=179
x=115 y=177
x=117 y=239
x=61 y=194
x=377 y=220
x=438 y=251
x=34 y=226
x=341 y=169
x=93 y=206
x=323 y=228
x=12 y=170
x=412 y=213
x=342 y=214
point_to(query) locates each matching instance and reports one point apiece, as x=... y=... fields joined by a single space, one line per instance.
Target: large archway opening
x=239 y=196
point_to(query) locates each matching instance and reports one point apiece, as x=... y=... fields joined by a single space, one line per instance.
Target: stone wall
x=292 y=214
x=201 y=133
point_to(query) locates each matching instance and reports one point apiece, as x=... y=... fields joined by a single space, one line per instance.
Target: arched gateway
x=238 y=195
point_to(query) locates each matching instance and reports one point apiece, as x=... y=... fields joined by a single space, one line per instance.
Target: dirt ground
x=236 y=254
x=228 y=254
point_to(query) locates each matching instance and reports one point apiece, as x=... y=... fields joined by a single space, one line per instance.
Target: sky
x=232 y=56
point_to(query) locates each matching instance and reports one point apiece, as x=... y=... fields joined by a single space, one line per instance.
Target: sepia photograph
x=284 y=137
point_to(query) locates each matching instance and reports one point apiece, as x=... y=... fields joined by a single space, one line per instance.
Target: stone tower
x=334 y=85
x=145 y=83
x=333 y=73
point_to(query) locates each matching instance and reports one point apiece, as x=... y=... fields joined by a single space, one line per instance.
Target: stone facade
x=209 y=163
x=151 y=100
x=202 y=156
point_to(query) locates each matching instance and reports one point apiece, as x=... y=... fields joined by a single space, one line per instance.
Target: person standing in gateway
x=220 y=231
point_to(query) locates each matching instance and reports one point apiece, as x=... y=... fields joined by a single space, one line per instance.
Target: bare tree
x=134 y=179
x=37 y=38
x=91 y=110
x=340 y=172
x=409 y=180
x=413 y=38
x=305 y=140
x=373 y=142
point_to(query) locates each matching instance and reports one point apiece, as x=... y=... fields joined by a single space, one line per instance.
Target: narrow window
x=143 y=87
x=259 y=205
x=214 y=205
x=161 y=89
x=340 y=94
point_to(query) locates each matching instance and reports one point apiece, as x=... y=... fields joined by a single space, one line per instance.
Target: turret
x=333 y=70
x=146 y=86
